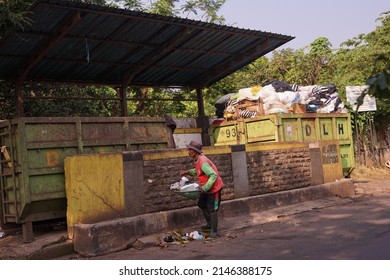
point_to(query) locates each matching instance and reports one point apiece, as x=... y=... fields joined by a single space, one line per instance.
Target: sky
x=306 y=20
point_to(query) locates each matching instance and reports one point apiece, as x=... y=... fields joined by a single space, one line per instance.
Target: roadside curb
x=45 y=246
x=53 y=251
x=229 y=227
x=115 y=235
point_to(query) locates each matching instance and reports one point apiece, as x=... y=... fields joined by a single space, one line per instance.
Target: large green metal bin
x=34 y=149
x=289 y=127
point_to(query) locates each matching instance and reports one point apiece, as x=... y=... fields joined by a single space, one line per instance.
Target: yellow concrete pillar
x=94 y=188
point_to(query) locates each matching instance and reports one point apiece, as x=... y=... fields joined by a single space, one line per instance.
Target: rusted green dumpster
x=33 y=151
x=289 y=127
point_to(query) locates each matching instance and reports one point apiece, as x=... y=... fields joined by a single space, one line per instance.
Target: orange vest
x=218 y=184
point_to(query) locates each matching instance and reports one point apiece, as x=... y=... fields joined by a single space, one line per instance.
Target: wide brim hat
x=197 y=147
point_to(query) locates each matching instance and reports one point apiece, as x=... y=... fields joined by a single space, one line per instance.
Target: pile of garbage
x=277 y=97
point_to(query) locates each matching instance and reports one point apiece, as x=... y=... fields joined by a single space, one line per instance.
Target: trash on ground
x=168 y=239
x=195 y=235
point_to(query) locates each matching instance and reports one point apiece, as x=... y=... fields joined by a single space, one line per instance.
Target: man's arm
x=192 y=172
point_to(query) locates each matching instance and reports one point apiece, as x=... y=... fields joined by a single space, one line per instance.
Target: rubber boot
x=214 y=225
x=206 y=215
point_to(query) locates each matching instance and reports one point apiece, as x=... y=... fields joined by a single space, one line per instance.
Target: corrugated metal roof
x=75 y=42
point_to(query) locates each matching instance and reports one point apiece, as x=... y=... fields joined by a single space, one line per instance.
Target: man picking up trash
x=210 y=185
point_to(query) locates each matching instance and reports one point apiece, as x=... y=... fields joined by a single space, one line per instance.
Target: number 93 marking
x=231 y=133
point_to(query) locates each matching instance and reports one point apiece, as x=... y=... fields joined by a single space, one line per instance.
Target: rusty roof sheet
x=75 y=42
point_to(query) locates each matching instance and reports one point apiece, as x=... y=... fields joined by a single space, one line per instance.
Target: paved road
x=328 y=229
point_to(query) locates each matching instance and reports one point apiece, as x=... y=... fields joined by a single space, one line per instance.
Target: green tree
x=319 y=55
x=163 y=7
x=7 y=101
x=366 y=59
x=281 y=65
x=207 y=10
x=13 y=15
x=380 y=77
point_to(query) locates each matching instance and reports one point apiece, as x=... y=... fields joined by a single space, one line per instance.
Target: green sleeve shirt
x=209 y=171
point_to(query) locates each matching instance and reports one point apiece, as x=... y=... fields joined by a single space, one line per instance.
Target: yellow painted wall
x=94 y=188
x=331 y=160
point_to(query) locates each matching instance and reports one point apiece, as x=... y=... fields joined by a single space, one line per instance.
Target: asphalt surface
x=333 y=228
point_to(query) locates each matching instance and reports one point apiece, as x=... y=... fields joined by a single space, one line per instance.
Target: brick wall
x=159 y=174
x=269 y=170
x=278 y=170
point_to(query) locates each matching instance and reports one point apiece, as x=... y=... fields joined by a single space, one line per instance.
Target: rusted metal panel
x=290 y=128
x=225 y=134
x=35 y=185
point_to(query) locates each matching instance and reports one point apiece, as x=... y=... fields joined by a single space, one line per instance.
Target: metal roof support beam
x=68 y=25
x=202 y=121
x=123 y=100
x=199 y=98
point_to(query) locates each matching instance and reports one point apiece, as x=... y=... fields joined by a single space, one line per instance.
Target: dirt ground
x=371 y=173
x=369 y=182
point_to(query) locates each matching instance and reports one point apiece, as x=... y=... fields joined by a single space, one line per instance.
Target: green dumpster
x=33 y=151
x=289 y=127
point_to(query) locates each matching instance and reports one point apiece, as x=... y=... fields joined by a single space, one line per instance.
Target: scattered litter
x=195 y=235
x=168 y=239
x=160 y=242
x=185 y=237
x=2 y=234
x=182 y=238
